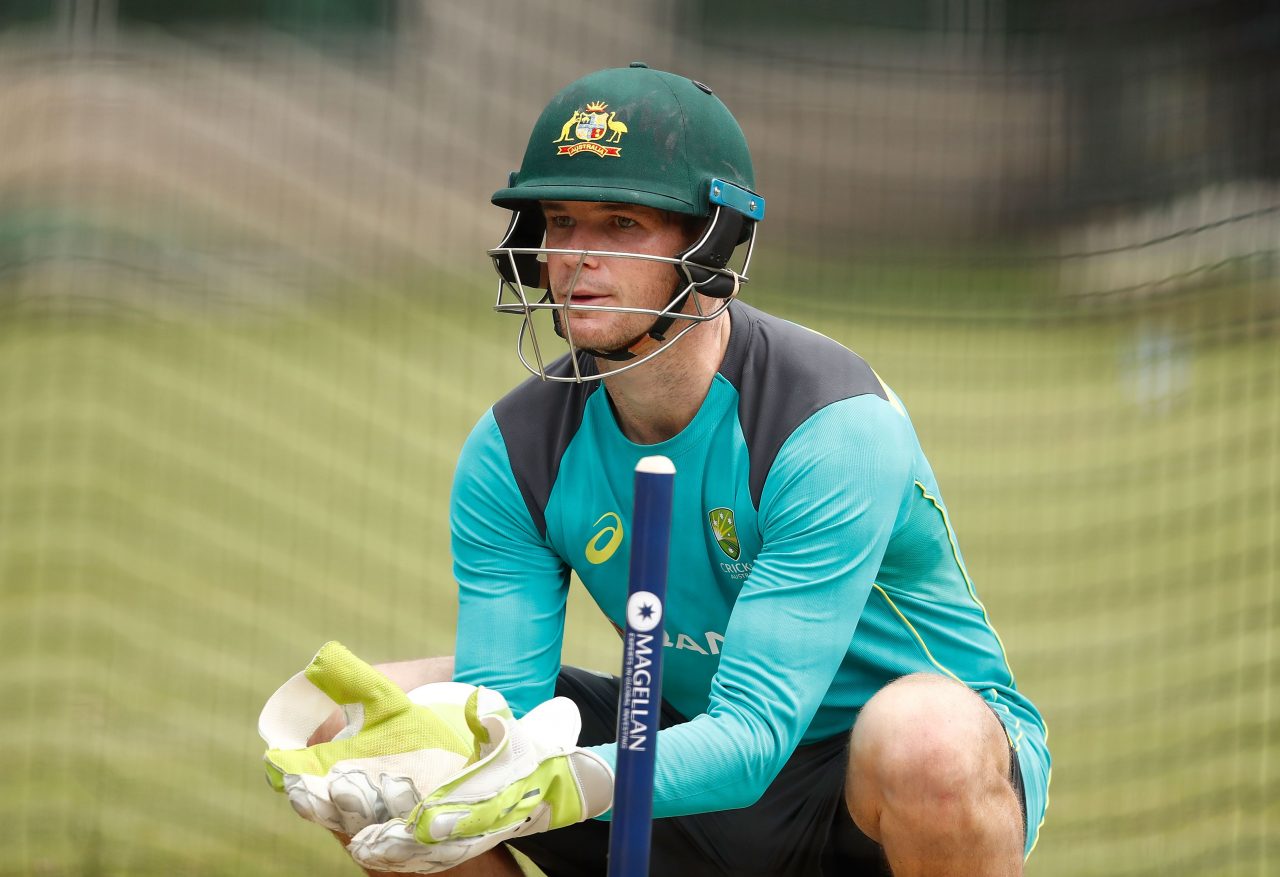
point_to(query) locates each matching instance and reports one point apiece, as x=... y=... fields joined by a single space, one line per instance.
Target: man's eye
x=624 y=221
x=562 y=221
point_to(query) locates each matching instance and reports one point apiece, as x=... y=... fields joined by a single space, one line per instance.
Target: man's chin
x=587 y=336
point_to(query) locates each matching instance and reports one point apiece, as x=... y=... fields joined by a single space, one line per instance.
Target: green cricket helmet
x=630 y=135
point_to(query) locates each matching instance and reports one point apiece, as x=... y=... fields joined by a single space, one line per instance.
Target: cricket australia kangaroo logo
x=722 y=527
x=589 y=125
x=606 y=540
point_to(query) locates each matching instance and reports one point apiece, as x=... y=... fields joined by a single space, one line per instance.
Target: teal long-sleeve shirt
x=812 y=558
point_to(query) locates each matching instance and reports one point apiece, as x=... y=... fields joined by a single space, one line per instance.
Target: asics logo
x=606 y=540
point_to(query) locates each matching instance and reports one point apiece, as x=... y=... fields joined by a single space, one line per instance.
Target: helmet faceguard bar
x=512 y=255
x=522 y=268
x=537 y=366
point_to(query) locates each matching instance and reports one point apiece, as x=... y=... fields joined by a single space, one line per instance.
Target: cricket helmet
x=630 y=135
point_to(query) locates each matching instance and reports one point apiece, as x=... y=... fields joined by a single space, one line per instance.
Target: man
x=835 y=698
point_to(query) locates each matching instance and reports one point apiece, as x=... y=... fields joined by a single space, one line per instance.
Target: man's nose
x=566 y=272
x=568 y=268
x=581 y=244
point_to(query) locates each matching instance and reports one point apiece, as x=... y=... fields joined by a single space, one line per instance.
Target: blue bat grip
x=640 y=699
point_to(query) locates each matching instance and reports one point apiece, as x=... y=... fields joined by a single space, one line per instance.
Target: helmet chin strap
x=644 y=343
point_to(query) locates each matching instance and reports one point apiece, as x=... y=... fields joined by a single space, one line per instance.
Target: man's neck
x=657 y=400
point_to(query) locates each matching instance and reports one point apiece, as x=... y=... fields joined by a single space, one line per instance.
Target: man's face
x=612 y=282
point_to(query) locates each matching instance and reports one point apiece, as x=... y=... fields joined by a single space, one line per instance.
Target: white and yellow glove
x=395 y=748
x=532 y=777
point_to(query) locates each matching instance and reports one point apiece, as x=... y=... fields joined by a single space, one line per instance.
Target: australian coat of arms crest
x=589 y=125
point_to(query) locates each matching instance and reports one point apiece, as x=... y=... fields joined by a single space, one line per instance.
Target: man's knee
x=926 y=739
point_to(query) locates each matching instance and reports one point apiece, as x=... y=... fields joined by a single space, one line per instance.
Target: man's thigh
x=799 y=827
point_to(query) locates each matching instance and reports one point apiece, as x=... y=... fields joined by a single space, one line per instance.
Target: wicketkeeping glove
x=395 y=748
x=535 y=778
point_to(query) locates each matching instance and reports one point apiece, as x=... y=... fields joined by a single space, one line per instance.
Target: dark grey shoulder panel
x=784 y=374
x=537 y=420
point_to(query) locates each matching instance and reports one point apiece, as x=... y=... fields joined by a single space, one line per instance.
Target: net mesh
x=245 y=328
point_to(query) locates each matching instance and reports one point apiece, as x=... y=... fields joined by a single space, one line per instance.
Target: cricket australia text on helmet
x=630 y=135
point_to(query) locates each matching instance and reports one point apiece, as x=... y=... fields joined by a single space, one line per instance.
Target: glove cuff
x=293 y=713
x=594 y=778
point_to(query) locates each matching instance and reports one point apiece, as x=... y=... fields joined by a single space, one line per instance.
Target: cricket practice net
x=245 y=327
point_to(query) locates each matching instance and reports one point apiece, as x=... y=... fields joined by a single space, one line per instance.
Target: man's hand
x=533 y=778
x=395 y=748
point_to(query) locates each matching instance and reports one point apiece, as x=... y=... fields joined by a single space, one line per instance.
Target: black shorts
x=799 y=828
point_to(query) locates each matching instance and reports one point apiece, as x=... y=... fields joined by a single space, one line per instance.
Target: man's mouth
x=583 y=298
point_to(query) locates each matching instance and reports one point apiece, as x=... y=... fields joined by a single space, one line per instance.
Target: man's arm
x=512 y=586
x=512 y=591
x=827 y=511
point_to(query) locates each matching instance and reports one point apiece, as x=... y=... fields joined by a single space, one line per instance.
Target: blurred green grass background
x=235 y=375
x=190 y=507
